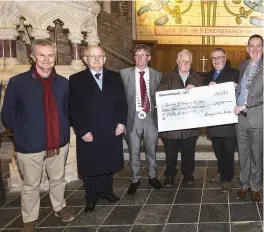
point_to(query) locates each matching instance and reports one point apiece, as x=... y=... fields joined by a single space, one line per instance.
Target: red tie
x=144 y=96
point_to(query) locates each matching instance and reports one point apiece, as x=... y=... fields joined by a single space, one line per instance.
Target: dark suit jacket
x=98 y=112
x=227 y=74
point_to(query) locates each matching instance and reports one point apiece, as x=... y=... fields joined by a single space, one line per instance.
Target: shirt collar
x=101 y=72
x=145 y=70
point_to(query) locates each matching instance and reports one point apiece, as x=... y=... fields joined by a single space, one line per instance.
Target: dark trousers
x=172 y=148
x=224 y=149
x=96 y=186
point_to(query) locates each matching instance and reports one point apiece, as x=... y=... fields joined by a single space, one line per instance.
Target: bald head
x=94 y=57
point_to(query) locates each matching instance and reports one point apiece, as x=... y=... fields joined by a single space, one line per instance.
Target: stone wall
x=115 y=32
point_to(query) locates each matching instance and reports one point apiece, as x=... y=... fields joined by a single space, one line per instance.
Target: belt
x=243 y=113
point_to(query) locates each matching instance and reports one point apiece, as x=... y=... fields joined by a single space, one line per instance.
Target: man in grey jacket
x=250 y=119
x=141 y=83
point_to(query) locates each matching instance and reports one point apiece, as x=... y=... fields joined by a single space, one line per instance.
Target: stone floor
x=197 y=208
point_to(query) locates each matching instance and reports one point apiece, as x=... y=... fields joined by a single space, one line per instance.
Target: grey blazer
x=128 y=77
x=255 y=95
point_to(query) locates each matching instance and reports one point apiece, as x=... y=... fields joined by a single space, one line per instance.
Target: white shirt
x=138 y=93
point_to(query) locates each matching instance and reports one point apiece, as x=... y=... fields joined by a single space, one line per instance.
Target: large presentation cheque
x=198 y=107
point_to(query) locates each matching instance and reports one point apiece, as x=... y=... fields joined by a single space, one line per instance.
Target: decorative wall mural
x=226 y=22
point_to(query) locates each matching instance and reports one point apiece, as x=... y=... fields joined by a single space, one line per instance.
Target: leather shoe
x=255 y=196
x=155 y=183
x=89 y=207
x=133 y=188
x=242 y=193
x=112 y=198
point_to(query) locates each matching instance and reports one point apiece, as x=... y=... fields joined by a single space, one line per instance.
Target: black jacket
x=227 y=74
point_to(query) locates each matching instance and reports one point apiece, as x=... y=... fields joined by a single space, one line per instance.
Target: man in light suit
x=250 y=119
x=141 y=83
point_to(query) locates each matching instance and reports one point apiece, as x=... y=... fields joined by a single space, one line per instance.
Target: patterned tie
x=97 y=75
x=144 y=95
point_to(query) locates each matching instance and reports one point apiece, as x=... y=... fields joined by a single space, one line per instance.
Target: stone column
x=76 y=41
x=8 y=56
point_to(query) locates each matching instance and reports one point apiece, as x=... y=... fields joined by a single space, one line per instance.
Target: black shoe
x=188 y=179
x=89 y=207
x=133 y=188
x=168 y=182
x=155 y=183
x=112 y=198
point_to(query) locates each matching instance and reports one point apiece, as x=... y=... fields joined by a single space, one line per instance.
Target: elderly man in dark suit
x=223 y=136
x=250 y=119
x=141 y=83
x=98 y=111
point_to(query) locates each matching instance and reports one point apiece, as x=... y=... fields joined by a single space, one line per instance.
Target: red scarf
x=51 y=112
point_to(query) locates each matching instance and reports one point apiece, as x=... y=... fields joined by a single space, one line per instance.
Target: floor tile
x=8 y=215
x=92 y=218
x=199 y=172
x=214 y=227
x=139 y=198
x=52 y=221
x=181 y=228
x=123 y=215
x=247 y=227
x=144 y=183
x=188 y=196
x=81 y=229
x=60 y=229
x=184 y=214
x=244 y=212
x=163 y=196
x=198 y=183
x=214 y=213
x=121 y=182
x=43 y=213
x=260 y=207
x=126 y=172
x=175 y=185
x=114 y=229
x=77 y=198
x=153 y=214
x=148 y=228
x=214 y=196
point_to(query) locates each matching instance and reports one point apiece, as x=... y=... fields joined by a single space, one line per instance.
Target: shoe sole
x=168 y=185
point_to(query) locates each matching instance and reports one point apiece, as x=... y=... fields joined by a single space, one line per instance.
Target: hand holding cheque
x=198 y=107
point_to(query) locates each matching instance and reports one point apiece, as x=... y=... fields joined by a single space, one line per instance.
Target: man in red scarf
x=36 y=110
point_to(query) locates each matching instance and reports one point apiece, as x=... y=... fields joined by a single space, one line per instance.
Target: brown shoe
x=65 y=214
x=242 y=193
x=29 y=226
x=255 y=196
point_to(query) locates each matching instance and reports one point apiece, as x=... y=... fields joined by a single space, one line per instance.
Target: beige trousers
x=31 y=168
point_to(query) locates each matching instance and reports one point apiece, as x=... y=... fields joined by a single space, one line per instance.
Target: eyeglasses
x=96 y=57
x=186 y=62
x=140 y=56
x=218 y=58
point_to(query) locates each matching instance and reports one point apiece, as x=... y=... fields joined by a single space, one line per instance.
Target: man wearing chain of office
x=250 y=120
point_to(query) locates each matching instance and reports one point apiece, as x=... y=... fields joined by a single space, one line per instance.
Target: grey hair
x=42 y=42
x=184 y=51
